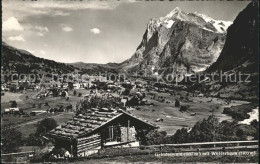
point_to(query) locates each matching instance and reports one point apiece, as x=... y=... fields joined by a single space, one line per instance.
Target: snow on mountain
x=168 y=23
x=177 y=14
x=220 y=25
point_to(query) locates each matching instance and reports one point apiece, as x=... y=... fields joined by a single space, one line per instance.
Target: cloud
x=23 y=9
x=66 y=28
x=12 y=24
x=16 y=38
x=40 y=34
x=41 y=31
x=60 y=13
x=75 y=5
x=95 y=31
x=41 y=28
x=42 y=52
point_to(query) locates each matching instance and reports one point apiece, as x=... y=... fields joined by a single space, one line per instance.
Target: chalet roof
x=92 y=120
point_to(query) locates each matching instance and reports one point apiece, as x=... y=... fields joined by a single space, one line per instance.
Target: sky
x=93 y=31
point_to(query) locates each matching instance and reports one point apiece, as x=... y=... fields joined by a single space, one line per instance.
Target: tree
x=255 y=124
x=184 y=108
x=240 y=133
x=154 y=138
x=181 y=136
x=70 y=86
x=13 y=104
x=45 y=126
x=13 y=88
x=134 y=101
x=11 y=140
x=126 y=92
x=33 y=140
x=55 y=92
x=206 y=130
x=177 y=103
x=99 y=102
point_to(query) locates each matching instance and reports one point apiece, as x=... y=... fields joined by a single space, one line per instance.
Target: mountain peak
x=175 y=11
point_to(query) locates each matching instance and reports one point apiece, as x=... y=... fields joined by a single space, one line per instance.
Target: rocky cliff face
x=240 y=55
x=241 y=48
x=179 y=42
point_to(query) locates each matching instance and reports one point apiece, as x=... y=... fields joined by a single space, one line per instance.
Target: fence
x=207 y=146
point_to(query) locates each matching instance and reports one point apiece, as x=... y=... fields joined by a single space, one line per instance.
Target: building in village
x=96 y=129
x=76 y=86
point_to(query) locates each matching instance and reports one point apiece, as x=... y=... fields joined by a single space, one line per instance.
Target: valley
x=161 y=95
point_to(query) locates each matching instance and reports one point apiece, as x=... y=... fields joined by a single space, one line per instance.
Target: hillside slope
x=20 y=61
x=241 y=47
x=23 y=62
x=240 y=55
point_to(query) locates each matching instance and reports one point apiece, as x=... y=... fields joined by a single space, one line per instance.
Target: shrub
x=11 y=140
x=13 y=104
x=45 y=125
x=177 y=103
x=184 y=108
x=154 y=138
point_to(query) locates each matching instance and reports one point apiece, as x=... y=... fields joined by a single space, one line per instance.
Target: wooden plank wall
x=88 y=143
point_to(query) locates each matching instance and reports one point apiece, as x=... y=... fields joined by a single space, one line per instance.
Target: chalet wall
x=128 y=137
x=86 y=145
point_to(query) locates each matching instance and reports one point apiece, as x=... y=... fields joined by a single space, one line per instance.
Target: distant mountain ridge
x=21 y=61
x=94 y=68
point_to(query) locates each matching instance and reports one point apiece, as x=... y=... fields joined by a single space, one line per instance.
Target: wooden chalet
x=97 y=129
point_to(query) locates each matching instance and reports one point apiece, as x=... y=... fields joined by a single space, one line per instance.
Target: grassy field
x=29 y=127
x=26 y=104
x=27 y=124
x=8 y=96
x=173 y=119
